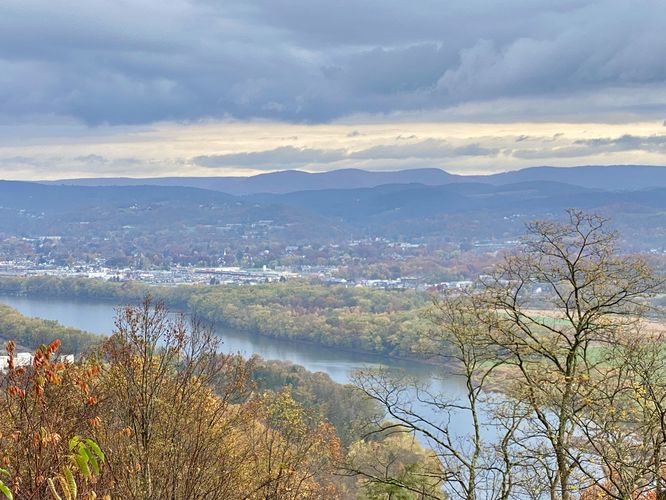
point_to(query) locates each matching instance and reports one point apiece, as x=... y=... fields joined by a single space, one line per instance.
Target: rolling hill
x=619 y=177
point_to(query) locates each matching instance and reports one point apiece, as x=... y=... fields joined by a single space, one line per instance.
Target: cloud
x=627 y=142
x=291 y=157
x=475 y=149
x=434 y=151
x=310 y=61
x=283 y=157
x=601 y=145
x=426 y=149
x=236 y=149
x=89 y=164
x=12 y=163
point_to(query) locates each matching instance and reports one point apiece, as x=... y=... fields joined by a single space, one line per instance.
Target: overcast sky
x=236 y=87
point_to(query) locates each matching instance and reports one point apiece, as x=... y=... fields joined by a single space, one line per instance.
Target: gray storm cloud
x=103 y=61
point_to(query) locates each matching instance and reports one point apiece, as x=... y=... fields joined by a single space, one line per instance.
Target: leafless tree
x=592 y=296
x=473 y=465
x=553 y=327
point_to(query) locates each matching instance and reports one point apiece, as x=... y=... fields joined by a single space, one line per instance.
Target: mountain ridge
x=397 y=211
x=609 y=177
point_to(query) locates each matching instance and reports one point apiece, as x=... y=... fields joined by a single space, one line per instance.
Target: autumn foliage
x=156 y=413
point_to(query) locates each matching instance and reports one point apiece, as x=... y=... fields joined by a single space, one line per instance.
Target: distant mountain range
x=285 y=181
x=408 y=209
x=613 y=178
x=300 y=206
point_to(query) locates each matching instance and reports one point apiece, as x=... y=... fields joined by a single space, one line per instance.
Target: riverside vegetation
x=336 y=316
x=167 y=416
x=581 y=413
x=582 y=409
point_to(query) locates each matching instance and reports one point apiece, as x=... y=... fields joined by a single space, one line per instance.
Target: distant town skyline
x=192 y=87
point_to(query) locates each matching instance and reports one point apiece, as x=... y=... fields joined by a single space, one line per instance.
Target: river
x=98 y=317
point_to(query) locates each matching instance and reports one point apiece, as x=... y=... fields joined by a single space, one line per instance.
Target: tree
x=168 y=433
x=293 y=452
x=165 y=414
x=554 y=324
x=592 y=297
x=396 y=467
x=471 y=465
x=624 y=425
x=44 y=406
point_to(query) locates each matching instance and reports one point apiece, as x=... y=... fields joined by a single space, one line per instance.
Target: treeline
x=359 y=319
x=75 y=288
x=343 y=405
x=157 y=413
x=349 y=318
x=30 y=333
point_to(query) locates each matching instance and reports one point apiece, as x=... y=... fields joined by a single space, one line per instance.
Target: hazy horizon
x=248 y=175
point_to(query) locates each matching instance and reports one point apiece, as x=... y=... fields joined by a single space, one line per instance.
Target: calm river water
x=340 y=365
x=98 y=318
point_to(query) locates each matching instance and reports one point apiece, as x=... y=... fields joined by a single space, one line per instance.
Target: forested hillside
x=237 y=426
x=30 y=333
x=129 y=215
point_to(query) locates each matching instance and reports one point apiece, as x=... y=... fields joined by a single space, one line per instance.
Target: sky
x=238 y=87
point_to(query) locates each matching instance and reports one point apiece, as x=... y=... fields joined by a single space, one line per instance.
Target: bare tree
x=556 y=327
x=473 y=466
x=592 y=296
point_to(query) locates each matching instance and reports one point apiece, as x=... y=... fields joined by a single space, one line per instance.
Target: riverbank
x=355 y=320
x=97 y=317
